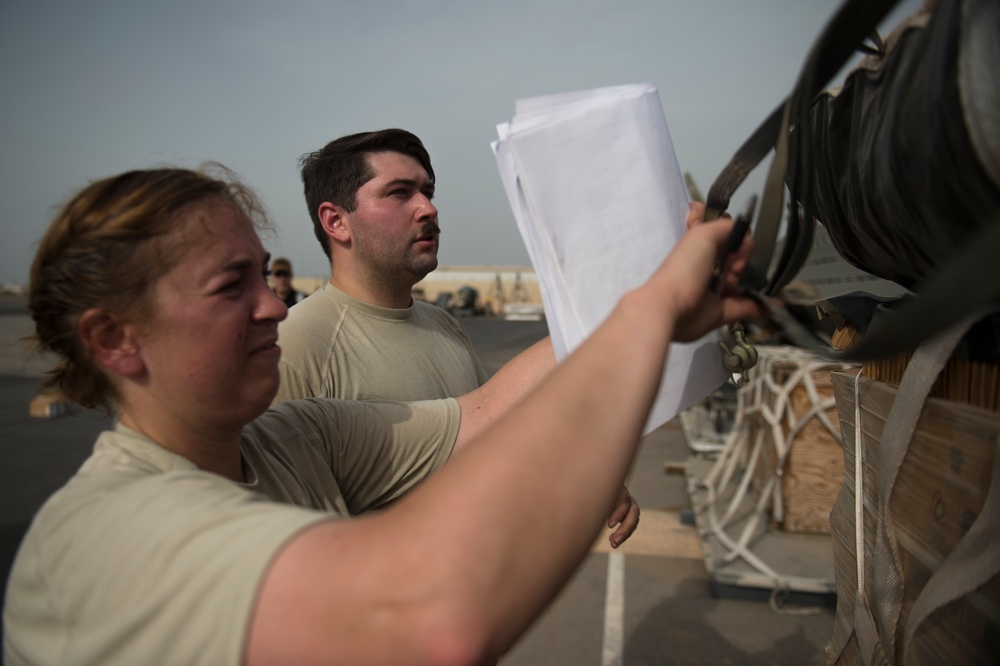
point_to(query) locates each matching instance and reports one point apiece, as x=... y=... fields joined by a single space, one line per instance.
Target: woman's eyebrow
x=238 y=265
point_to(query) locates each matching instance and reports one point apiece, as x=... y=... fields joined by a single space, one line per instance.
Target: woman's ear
x=111 y=342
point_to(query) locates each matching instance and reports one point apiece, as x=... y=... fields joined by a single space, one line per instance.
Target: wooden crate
x=800 y=441
x=940 y=488
x=962 y=380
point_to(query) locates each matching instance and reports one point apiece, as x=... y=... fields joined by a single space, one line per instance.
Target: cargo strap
x=864 y=622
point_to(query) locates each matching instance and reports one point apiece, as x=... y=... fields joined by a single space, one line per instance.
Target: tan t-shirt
x=335 y=346
x=142 y=558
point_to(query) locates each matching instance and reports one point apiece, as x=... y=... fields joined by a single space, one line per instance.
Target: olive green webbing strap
x=745 y=160
x=841 y=38
x=838 y=41
x=957 y=289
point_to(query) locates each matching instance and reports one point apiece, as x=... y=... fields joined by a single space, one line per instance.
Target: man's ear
x=111 y=342
x=335 y=222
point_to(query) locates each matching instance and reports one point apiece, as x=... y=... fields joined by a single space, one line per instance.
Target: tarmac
x=651 y=602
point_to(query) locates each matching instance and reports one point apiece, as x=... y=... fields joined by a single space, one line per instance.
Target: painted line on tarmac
x=660 y=534
x=612 y=650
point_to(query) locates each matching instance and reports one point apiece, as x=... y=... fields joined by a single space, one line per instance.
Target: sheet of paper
x=599 y=200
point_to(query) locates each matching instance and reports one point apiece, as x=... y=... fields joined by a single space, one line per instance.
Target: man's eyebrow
x=396 y=182
x=408 y=182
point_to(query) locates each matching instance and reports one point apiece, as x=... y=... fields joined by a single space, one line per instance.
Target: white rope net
x=770 y=414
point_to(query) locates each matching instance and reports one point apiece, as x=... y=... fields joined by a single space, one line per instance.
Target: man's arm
x=450 y=574
x=505 y=388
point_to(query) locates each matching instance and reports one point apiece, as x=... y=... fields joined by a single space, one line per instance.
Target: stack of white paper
x=598 y=197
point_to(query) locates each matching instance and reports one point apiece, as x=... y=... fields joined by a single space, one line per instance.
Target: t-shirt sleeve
x=377 y=449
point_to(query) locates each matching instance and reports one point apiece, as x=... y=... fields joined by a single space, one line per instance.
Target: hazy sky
x=89 y=88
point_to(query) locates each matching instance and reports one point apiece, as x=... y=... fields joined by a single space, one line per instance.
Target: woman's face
x=211 y=348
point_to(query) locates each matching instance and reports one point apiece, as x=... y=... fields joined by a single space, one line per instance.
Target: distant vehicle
x=465 y=303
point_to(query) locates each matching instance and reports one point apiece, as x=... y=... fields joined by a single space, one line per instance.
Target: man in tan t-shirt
x=369 y=196
x=363 y=336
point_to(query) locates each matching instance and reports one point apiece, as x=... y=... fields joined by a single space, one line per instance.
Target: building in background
x=508 y=291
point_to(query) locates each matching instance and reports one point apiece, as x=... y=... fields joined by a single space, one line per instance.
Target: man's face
x=394 y=228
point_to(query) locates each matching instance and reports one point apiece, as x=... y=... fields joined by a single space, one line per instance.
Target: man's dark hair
x=337 y=171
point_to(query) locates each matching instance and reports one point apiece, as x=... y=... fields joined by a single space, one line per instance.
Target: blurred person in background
x=281 y=282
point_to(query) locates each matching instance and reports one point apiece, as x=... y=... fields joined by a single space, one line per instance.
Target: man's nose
x=427 y=209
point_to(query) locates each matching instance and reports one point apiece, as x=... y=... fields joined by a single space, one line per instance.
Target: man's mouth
x=427 y=238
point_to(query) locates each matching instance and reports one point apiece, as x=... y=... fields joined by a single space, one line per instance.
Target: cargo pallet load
x=916 y=529
x=762 y=505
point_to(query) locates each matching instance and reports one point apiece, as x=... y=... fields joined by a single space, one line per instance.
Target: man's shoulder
x=318 y=310
x=318 y=301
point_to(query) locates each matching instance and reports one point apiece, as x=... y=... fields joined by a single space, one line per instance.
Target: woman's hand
x=687 y=272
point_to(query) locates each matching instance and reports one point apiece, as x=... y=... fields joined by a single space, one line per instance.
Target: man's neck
x=397 y=296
